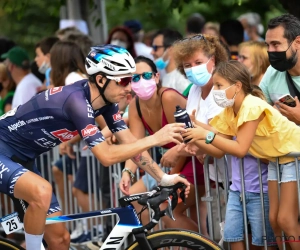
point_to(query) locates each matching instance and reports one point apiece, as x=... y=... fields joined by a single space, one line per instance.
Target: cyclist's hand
x=169 y=133
x=170 y=180
x=170 y=158
x=125 y=183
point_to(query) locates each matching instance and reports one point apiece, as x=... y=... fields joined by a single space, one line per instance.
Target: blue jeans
x=234 y=222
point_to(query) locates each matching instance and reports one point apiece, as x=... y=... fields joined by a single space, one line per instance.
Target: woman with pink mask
x=153 y=108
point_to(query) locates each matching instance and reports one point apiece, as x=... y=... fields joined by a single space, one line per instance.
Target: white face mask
x=221 y=98
x=43 y=68
x=119 y=43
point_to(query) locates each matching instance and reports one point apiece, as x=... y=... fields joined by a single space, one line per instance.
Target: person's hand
x=196 y=133
x=169 y=133
x=63 y=148
x=111 y=140
x=170 y=180
x=125 y=183
x=170 y=158
x=292 y=113
x=191 y=148
x=201 y=158
x=70 y=151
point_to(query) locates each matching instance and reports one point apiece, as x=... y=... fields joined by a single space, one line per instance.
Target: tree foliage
x=27 y=21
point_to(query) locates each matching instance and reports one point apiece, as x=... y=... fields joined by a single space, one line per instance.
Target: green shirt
x=2 y=101
x=274 y=84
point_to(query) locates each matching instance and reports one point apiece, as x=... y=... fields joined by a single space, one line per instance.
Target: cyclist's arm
x=137 y=129
x=143 y=160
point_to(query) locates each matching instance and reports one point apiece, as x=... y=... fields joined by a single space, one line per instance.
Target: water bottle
x=181 y=116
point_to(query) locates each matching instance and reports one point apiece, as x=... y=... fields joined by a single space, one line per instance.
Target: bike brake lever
x=169 y=211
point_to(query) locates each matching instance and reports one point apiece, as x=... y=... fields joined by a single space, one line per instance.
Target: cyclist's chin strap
x=101 y=91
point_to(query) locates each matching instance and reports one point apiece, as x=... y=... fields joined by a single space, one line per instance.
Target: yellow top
x=275 y=135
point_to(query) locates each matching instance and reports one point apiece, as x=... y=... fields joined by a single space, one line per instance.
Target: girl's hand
x=196 y=133
x=191 y=148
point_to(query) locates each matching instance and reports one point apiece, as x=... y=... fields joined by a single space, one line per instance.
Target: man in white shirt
x=162 y=53
x=18 y=65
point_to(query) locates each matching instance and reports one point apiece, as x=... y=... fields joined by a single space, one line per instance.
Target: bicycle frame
x=128 y=220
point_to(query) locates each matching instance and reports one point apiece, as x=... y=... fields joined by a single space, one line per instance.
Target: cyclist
x=59 y=114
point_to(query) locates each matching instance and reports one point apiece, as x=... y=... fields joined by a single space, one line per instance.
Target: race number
x=11 y=223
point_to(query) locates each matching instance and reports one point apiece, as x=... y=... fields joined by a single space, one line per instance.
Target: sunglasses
x=195 y=37
x=145 y=75
x=122 y=80
x=156 y=47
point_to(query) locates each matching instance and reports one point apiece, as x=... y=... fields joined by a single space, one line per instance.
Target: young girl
x=260 y=130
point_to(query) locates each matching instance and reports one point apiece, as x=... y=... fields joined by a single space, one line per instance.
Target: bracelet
x=129 y=172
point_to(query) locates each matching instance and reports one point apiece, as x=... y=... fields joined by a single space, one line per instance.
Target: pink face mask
x=144 y=89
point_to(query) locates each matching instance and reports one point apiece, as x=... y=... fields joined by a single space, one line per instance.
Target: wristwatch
x=210 y=137
x=129 y=172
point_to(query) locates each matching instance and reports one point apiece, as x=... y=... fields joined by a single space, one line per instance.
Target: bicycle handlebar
x=157 y=196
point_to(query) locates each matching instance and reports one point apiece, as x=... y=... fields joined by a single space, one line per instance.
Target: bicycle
x=129 y=222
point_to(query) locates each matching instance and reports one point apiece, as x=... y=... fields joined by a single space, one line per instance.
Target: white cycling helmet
x=109 y=59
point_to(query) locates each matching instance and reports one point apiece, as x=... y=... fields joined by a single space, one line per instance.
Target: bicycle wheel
x=8 y=245
x=177 y=238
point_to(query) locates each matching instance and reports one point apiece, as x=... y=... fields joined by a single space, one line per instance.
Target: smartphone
x=288 y=100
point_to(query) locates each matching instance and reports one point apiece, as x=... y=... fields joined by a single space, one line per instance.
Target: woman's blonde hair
x=233 y=72
x=4 y=76
x=209 y=45
x=258 y=56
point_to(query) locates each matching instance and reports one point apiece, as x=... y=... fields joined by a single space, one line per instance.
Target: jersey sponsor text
x=89 y=130
x=15 y=126
x=64 y=134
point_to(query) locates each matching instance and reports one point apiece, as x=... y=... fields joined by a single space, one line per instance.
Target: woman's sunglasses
x=121 y=80
x=145 y=75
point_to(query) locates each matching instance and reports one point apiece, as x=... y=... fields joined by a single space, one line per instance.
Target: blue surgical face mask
x=160 y=63
x=198 y=75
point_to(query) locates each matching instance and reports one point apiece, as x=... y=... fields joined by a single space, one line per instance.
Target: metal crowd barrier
x=103 y=197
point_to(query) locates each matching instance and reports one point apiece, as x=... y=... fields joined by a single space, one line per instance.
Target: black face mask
x=279 y=61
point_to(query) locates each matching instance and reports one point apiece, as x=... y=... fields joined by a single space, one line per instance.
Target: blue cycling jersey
x=54 y=116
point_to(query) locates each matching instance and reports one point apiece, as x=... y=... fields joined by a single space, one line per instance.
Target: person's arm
x=111 y=154
x=221 y=145
x=137 y=129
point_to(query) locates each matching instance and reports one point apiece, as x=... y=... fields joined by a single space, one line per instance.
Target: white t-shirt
x=74 y=77
x=26 y=89
x=175 y=80
x=142 y=49
x=206 y=110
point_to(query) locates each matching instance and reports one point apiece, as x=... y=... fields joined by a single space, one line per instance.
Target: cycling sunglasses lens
x=125 y=81
x=136 y=78
x=147 y=75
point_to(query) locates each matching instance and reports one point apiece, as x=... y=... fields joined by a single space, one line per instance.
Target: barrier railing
x=99 y=196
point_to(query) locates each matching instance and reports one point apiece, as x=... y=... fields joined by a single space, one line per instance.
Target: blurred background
x=26 y=21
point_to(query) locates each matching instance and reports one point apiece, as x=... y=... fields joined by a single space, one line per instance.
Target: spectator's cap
x=134 y=25
x=18 y=56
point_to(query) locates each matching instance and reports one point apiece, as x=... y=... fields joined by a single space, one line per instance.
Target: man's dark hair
x=195 y=23
x=232 y=31
x=290 y=23
x=46 y=44
x=170 y=36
